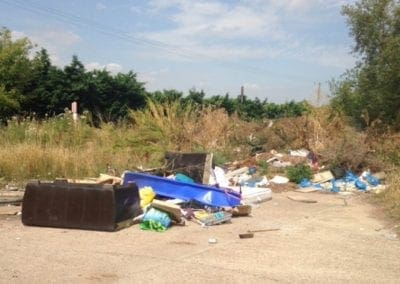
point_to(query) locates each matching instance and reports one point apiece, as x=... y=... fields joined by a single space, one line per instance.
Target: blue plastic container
x=207 y=195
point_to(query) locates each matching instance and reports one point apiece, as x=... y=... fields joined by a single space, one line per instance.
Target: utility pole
x=242 y=94
x=318 y=94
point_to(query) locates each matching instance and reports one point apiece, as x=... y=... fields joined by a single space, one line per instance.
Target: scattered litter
x=263 y=230
x=147 y=195
x=172 y=209
x=241 y=210
x=237 y=172
x=322 y=177
x=155 y=220
x=299 y=153
x=246 y=235
x=212 y=241
x=279 y=180
x=209 y=219
x=187 y=187
x=207 y=195
x=252 y=195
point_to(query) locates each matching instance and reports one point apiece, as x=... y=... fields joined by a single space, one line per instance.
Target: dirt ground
x=327 y=241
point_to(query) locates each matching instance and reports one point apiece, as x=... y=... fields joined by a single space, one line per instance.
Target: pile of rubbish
x=187 y=188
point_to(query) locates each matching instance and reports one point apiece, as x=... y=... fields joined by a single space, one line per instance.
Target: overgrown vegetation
x=370 y=91
x=298 y=172
x=125 y=126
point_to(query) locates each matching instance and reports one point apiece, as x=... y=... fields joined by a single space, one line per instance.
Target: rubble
x=189 y=188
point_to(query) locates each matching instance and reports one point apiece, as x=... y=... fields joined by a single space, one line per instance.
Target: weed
x=298 y=172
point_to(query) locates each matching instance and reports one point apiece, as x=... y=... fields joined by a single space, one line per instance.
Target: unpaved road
x=318 y=242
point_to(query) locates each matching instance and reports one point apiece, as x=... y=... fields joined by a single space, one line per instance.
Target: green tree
x=38 y=92
x=371 y=90
x=166 y=96
x=127 y=94
x=194 y=97
x=15 y=72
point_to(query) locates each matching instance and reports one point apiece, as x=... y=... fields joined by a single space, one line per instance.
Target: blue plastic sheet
x=207 y=195
x=304 y=183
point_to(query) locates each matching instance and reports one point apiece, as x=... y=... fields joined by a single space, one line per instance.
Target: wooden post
x=74 y=109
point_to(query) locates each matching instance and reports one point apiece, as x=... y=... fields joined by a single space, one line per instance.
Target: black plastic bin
x=81 y=206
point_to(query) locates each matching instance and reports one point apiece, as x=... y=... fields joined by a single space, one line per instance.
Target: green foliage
x=14 y=72
x=159 y=126
x=262 y=166
x=298 y=172
x=370 y=91
x=32 y=86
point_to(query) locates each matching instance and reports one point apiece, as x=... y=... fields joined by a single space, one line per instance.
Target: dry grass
x=390 y=198
x=59 y=148
x=174 y=127
x=329 y=136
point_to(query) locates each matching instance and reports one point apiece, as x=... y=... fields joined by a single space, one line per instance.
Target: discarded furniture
x=81 y=206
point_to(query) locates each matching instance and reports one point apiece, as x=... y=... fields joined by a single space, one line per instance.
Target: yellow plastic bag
x=146 y=196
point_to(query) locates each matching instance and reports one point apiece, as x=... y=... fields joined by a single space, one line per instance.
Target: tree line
x=33 y=86
x=367 y=93
x=370 y=91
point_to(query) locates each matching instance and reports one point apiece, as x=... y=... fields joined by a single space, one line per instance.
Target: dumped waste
x=187 y=188
x=80 y=205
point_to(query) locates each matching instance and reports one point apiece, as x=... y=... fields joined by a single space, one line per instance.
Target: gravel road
x=327 y=241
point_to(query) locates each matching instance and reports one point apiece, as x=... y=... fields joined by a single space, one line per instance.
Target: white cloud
x=247 y=29
x=151 y=77
x=56 y=37
x=331 y=56
x=15 y=35
x=55 y=41
x=251 y=86
x=113 y=68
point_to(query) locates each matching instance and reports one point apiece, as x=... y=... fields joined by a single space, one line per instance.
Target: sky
x=279 y=50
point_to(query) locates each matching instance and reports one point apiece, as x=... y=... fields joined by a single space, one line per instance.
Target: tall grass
x=58 y=147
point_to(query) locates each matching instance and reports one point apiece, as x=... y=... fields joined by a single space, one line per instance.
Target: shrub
x=298 y=172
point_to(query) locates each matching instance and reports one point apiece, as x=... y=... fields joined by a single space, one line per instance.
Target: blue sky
x=278 y=50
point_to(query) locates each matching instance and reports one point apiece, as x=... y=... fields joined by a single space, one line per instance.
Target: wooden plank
x=173 y=209
x=207 y=168
x=301 y=199
x=306 y=189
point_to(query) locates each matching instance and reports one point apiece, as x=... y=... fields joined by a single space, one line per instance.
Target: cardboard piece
x=322 y=177
x=173 y=210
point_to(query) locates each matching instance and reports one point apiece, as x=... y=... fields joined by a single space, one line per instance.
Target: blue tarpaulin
x=207 y=195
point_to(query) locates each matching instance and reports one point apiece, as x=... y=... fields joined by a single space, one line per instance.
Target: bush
x=298 y=172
